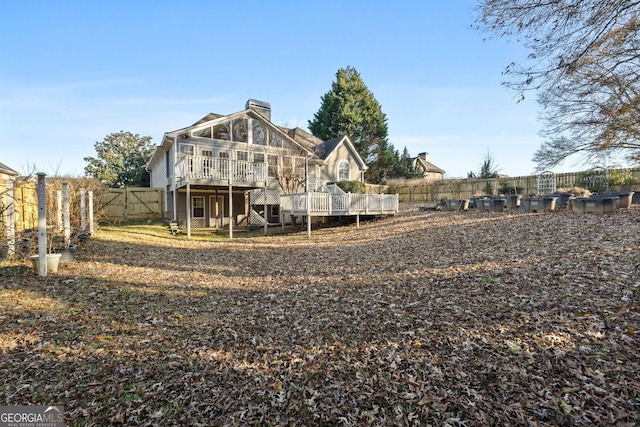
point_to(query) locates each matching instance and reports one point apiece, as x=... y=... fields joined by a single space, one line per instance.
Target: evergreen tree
x=121 y=160
x=350 y=108
x=404 y=167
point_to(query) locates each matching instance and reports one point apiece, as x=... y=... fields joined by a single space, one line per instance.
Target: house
x=430 y=172
x=232 y=169
x=7 y=173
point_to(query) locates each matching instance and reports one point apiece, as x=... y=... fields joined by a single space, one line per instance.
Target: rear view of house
x=232 y=169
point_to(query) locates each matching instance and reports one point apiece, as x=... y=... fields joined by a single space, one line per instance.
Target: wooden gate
x=133 y=203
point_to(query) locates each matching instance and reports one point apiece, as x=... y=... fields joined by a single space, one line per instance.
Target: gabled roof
x=7 y=170
x=303 y=137
x=212 y=119
x=209 y=117
x=324 y=149
x=427 y=166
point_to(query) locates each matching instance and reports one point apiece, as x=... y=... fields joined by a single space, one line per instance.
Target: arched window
x=344 y=170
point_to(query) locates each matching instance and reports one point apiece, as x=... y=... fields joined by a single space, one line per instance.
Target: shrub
x=506 y=187
x=351 y=186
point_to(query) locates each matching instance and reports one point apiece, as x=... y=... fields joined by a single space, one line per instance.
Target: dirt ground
x=424 y=318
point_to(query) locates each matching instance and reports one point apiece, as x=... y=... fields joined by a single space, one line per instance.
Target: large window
x=197 y=207
x=344 y=170
x=273 y=165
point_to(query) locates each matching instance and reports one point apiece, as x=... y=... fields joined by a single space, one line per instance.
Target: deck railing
x=316 y=204
x=220 y=169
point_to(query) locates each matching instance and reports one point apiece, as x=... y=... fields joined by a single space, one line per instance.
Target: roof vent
x=261 y=107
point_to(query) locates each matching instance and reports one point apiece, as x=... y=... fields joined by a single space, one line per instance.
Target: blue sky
x=73 y=72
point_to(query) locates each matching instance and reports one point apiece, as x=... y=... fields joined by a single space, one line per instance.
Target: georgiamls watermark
x=32 y=416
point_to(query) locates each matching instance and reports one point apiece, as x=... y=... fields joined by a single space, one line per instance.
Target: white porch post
x=42 y=225
x=230 y=211
x=174 y=148
x=188 y=204
x=308 y=214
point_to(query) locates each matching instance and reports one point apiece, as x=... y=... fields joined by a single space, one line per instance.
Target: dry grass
x=424 y=318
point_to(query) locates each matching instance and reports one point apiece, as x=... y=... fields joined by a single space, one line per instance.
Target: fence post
x=91 y=228
x=59 y=210
x=42 y=225
x=11 y=218
x=83 y=210
x=67 y=220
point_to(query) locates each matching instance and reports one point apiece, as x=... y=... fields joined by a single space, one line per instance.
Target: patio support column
x=188 y=204
x=357 y=220
x=308 y=214
x=230 y=211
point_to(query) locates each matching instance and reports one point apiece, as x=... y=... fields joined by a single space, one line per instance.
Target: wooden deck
x=214 y=171
x=330 y=204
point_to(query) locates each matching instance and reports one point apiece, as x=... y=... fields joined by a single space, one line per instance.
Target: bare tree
x=584 y=64
x=291 y=176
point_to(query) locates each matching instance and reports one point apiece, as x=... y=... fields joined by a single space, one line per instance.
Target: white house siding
x=329 y=172
x=158 y=174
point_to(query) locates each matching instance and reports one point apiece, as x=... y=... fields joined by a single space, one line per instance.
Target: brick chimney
x=424 y=156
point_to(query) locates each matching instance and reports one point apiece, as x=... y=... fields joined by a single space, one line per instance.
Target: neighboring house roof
x=426 y=165
x=4 y=169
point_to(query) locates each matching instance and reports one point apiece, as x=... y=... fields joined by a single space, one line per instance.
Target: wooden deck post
x=230 y=211
x=308 y=214
x=188 y=206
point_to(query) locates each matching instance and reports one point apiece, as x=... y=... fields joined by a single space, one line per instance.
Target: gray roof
x=7 y=170
x=320 y=148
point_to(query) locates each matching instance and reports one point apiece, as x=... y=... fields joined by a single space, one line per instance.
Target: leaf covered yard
x=425 y=318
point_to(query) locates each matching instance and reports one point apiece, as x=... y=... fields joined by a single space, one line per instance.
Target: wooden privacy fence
x=470 y=187
x=21 y=200
x=133 y=203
